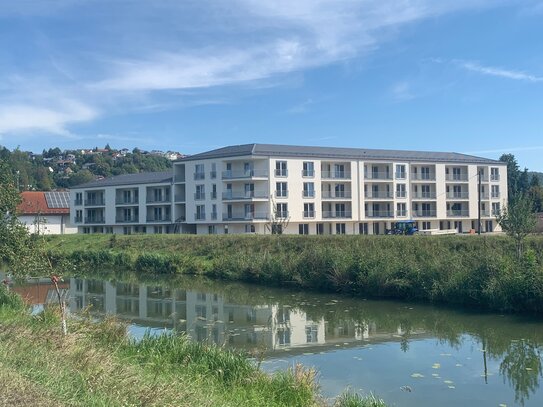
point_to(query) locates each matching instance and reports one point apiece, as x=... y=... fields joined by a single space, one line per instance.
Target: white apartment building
x=260 y=188
x=132 y=203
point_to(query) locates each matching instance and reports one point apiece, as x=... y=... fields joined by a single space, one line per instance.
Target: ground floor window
x=86 y=231
x=158 y=230
x=249 y=228
x=211 y=229
x=363 y=228
x=320 y=228
x=127 y=230
x=109 y=229
x=426 y=225
x=303 y=228
x=489 y=226
x=340 y=228
x=376 y=228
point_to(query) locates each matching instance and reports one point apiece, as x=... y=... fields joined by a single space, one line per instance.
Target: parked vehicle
x=403 y=227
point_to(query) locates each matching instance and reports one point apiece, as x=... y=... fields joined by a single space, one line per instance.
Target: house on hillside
x=46 y=212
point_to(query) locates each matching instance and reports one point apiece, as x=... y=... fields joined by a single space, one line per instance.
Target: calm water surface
x=408 y=354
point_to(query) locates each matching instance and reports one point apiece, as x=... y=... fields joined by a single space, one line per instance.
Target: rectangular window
x=281 y=190
x=400 y=171
x=281 y=210
x=495 y=191
x=400 y=191
x=494 y=174
x=309 y=210
x=309 y=190
x=340 y=228
x=199 y=171
x=214 y=212
x=213 y=173
x=426 y=225
x=214 y=191
x=308 y=169
x=319 y=228
x=496 y=208
x=303 y=228
x=363 y=228
x=79 y=198
x=281 y=169
x=249 y=228
x=401 y=210
x=200 y=192
x=200 y=212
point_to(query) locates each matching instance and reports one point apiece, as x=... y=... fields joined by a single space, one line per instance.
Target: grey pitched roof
x=139 y=178
x=339 y=153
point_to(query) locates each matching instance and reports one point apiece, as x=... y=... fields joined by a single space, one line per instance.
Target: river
x=409 y=354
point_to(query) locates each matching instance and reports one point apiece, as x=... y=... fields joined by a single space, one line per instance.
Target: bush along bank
x=98 y=364
x=466 y=270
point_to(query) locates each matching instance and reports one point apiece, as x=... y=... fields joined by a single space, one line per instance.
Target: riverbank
x=98 y=364
x=465 y=270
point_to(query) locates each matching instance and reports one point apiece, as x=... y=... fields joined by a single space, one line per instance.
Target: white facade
x=244 y=189
x=48 y=224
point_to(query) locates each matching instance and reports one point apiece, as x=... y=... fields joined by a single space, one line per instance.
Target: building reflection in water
x=211 y=317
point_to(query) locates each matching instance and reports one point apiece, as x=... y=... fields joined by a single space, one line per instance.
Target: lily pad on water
x=452 y=387
x=458 y=365
x=436 y=366
x=417 y=375
x=448 y=381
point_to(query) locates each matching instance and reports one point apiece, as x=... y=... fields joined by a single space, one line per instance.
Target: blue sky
x=447 y=75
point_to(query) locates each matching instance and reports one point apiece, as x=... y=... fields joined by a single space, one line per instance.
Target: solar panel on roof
x=57 y=199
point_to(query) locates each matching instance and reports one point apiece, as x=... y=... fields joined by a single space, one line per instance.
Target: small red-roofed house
x=46 y=212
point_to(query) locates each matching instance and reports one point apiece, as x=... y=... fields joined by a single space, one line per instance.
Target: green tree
x=518 y=220
x=513 y=174
x=18 y=249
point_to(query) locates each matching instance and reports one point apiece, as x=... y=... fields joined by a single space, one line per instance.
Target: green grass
x=468 y=270
x=97 y=364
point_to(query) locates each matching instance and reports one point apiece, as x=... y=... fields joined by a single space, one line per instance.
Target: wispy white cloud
x=159 y=48
x=499 y=72
x=402 y=91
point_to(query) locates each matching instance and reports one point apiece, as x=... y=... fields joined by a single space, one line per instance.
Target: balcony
x=158 y=199
x=401 y=194
x=95 y=220
x=496 y=195
x=213 y=215
x=308 y=214
x=162 y=218
x=378 y=175
x=179 y=178
x=496 y=212
x=245 y=216
x=240 y=196
x=229 y=174
x=199 y=196
x=180 y=198
x=424 y=195
x=457 y=195
x=199 y=175
x=424 y=213
x=378 y=195
x=485 y=212
x=281 y=194
x=423 y=176
x=463 y=177
x=336 y=194
x=308 y=194
x=78 y=202
x=485 y=195
x=335 y=175
x=95 y=202
x=281 y=173
x=400 y=175
x=78 y=219
x=401 y=213
x=457 y=213
x=199 y=216
x=131 y=201
x=308 y=173
x=379 y=214
x=126 y=219
x=336 y=214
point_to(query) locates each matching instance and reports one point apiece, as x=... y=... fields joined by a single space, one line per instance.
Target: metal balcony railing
x=494 y=177
x=245 y=216
x=199 y=175
x=336 y=214
x=401 y=194
x=423 y=176
x=213 y=174
x=401 y=175
x=78 y=202
x=231 y=195
x=336 y=194
x=335 y=174
x=229 y=174
x=308 y=194
x=95 y=202
x=424 y=213
x=179 y=178
x=308 y=214
x=78 y=219
x=496 y=195
x=126 y=219
x=457 y=212
x=457 y=195
x=282 y=193
x=122 y=201
x=213 y=215
x=379 y=214
x=456 y=177
x=308 y=173
x=95 y=220
x=384 y=175
x=401 y=213
x=200 y=216
x=378 y=195
x=281 y=173
x=180 y=198
x=158 y=199
x=424 y=195
x=199 y=196
x=163 y=218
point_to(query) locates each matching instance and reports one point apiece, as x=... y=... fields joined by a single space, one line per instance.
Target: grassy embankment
x=467 y=270
x=97 y=364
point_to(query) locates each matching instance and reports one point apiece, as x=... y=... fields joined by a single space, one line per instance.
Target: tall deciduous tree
x=513 y=174
x=518 y=220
